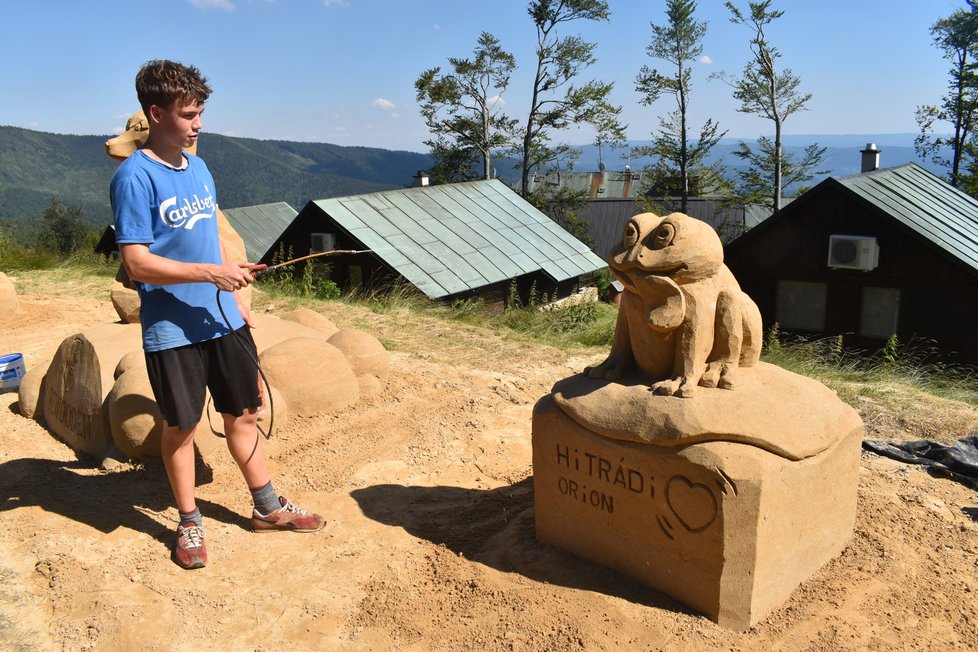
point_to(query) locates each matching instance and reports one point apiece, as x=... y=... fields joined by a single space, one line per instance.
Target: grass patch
x=873 y=374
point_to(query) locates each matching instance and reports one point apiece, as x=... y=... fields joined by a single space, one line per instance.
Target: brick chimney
x=871 y=158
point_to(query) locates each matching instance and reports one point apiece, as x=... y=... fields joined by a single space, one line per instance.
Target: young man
x=164 y=206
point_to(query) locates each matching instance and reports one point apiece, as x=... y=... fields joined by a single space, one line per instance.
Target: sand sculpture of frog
x=683 y=319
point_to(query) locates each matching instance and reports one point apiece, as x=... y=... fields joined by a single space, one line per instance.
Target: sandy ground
x=430 y=543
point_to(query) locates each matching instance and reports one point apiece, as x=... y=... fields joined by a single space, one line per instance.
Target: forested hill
x=34 y=166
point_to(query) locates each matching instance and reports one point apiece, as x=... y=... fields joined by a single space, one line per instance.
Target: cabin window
x=319 y=242
x=878 y=312
x=800 y=305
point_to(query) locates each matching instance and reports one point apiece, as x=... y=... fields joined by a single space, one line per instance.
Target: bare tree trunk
x=777 y=165
x=683 y=150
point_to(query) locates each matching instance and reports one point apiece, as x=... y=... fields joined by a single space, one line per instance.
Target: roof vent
x=853 y=252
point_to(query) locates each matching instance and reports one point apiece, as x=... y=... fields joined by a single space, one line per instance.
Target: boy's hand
x=232 y=276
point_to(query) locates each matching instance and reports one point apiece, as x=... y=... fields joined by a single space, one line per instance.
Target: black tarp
x=958 y=461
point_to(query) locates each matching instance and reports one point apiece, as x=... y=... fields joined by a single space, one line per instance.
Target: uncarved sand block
x=126 y=303
x=313 y=320
x=270 y=330
x=134 y=417
x=313 y=376
x=364 y=351
x=370 y=386
x=280 y=410
x=130 y=360
x=29 y=402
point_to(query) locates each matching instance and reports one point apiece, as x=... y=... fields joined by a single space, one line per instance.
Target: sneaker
x=287 y=517
x=190 y=551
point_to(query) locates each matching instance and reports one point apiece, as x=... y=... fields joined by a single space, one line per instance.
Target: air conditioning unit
x=853 y=252
x=322 y=242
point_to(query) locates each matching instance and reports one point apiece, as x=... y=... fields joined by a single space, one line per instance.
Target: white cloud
x=386 y=105
x=705 y=59
x=495 y=100
x=223 y=5
x=336 y=3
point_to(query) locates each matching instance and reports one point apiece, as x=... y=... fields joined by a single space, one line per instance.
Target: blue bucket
x=12 y=371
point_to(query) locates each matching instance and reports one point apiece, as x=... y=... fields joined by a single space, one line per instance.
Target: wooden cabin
x=889 y=251
x=461 y=240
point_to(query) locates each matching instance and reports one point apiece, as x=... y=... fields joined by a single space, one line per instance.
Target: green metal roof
x=924 y=203
x=260 y=226
x=451 y=238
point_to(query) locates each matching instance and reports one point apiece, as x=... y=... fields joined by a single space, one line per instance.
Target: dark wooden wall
x=938 y=295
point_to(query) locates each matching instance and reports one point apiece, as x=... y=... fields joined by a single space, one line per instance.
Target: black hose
x=244 y=345
x=258 y=273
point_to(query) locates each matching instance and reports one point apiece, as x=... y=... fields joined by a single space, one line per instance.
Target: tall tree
x=957 y=37
x=765 y=91
x=678 y=42
x=62 y=229
x=757 y=179
x=555 y=102
x=463 y=110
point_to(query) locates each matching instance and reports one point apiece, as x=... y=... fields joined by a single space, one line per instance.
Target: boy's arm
x=146 y=267
x=242 y=308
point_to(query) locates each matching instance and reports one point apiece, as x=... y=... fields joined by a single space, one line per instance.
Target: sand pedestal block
x=721 y=524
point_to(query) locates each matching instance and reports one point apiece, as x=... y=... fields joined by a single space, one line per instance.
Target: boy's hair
x=163 y=82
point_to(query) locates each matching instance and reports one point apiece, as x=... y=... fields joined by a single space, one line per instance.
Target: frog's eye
x=662 y=236
x=631 y=235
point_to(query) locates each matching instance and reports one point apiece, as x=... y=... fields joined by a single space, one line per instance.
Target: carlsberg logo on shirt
x=177 y=214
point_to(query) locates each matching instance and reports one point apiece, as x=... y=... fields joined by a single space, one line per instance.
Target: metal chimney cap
x=870 y=147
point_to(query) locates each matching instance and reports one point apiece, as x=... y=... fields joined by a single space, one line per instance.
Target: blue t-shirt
x=175 y=213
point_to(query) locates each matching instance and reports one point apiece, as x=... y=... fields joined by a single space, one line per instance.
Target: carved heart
x=693 y=503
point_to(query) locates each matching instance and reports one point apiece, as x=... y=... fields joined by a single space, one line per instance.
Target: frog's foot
x=712 y=375
x=611 y=369
x=728 y=377
x=669 y=387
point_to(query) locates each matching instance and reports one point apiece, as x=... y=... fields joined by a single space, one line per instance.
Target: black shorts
x=226 y=366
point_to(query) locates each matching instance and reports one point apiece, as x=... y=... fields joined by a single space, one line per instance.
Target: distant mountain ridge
x=35 y=165
x=842 y=155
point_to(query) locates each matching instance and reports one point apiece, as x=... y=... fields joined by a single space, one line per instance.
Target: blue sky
x=343 y=71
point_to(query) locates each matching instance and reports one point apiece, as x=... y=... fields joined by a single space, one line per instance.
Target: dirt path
x=430 y=542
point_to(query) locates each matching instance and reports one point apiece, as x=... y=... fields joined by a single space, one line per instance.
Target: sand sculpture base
x=727 y=527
